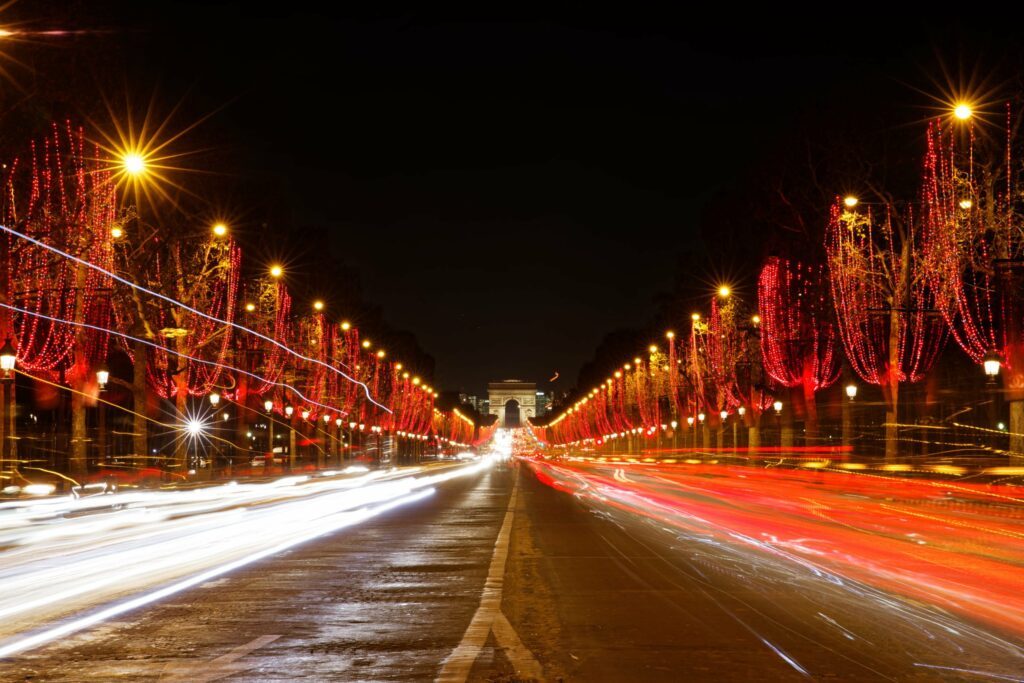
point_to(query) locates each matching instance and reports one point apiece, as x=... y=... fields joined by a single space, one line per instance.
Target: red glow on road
x=955 y=545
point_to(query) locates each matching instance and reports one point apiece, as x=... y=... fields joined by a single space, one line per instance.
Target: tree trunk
x=811 y=408
x=891 y=388
x=753 y=437
x=1017 y=432
x=786 y=436
x=140 y=430
x=77 y=464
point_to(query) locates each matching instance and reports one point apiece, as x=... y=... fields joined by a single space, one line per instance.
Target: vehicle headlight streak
x=187 y=538
x=207 y=316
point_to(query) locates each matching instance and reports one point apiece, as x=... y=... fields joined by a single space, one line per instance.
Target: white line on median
x=488 y=618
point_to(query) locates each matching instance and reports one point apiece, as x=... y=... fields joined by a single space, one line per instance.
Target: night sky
x=509 y=188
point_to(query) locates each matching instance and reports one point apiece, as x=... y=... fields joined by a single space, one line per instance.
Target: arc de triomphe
x=502 y=394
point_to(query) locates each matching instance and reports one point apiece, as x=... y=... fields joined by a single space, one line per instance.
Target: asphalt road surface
x=576 y=573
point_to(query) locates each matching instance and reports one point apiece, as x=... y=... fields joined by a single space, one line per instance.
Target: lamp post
x=724 y=415
x=778 y=419
x=340 y=447
x=320 y=454
x=268 y=405
x=8 y=359
x=304 y=426
x=289 y=411
x=847 y=413
x=102 y=377
x=214 y=399
x=705 y=438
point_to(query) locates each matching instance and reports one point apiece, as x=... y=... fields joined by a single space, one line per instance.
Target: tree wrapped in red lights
x=884 y=299
x=975 y=249
x=799 y=339
x=734 y=357
x=267 y=311
x=62 y=195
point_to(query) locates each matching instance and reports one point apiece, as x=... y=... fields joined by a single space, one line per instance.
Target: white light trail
x=109 y=554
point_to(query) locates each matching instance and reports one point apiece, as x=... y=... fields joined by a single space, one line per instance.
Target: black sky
x=510 y=188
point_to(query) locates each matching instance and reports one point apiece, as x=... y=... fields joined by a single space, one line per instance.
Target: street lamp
x=102 y=377
x=288 y=410
x=220 y=230
x=963 y=111
x=268 y=460
x=992 y=363
x=8 y=358
x=215 y=399
x=851 y=391
x=778 y=407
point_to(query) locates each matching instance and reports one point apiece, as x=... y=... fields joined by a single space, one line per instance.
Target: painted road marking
x=489 y=618
x=222 y=667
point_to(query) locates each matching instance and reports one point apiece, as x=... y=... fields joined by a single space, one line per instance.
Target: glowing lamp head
x=381 y=354
x=268 y=405
x=134 y=163
x=701 y=417
x=276 y=271
x=723 y=415
x=214 y=398
x=851 y=391
x=366 y=343
x=318 y=305
x=670 y=335
x=652 y=348
x=416 y=381
x=724 y=291
x=220 y=230
x=289 y=410
x=963 y=111
x=992 y=363
x=305 y=414
x=346 y=326
x=250 y=307
x=194 y=427
x=849 y=201
x=327 y=419
x=755 y=320
x=102 y=377
x=674 y=424
x=689 y=420
x=117 y=232
x=966 y=204
x=337 y=421
x=8 y=357
x=742 y=411
x=695 y=317
x=778 y=407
